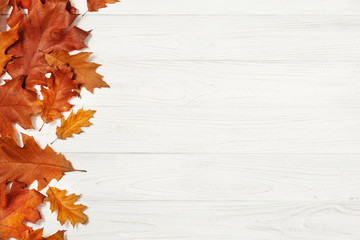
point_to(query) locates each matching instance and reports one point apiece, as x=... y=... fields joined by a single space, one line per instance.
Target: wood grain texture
x=250 y=38
x=215 y=177
x=225 y=120
x=227 y=7
x=242 y=85
x=212 y=196
x=216 y=130
x=212 y=220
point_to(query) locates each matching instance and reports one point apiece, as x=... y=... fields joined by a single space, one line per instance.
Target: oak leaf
x=2 y=196
x=32 y=235
x=95 y=5
x=65 y=206
x=85 y=72
x=74 y=123
x=20 y=206
x=59 y=91
x=59 y=235
x=29 y=163
x=37 y=235
x=47 y=27
x=22 y=3
x=16 y=14
x=16 y=107
x=6 y=40
x=3 y=4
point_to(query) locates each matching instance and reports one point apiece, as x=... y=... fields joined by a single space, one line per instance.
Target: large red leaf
x=47 y=27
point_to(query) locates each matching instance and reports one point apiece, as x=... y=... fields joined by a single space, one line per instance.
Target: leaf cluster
x=36 y=51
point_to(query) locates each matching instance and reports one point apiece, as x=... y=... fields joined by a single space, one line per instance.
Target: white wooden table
x=226 y=119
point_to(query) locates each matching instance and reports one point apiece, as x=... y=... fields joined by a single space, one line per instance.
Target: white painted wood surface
x=226 y=119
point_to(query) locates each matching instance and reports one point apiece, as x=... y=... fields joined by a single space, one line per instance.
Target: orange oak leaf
x=85 y=72
x=2 y=196
x=59 y=235
x=6 y=40
x=16 y=14
x=15 y=107
x=29 y=163
x=3 y=4
x=95 y=5
x=74 y=123
x=57 y=94
x=38 y=235
x=65 y=206
x=47 y=27
x=32 y=235
x=20 y=206
x=23 y=3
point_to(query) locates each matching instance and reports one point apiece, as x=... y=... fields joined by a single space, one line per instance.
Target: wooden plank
x=250 y=38
x=193 y=220
x=226 y=7
x=214 y=177
x=253 y=7
x=215 y=130
x=238 y=84
x=247 y=38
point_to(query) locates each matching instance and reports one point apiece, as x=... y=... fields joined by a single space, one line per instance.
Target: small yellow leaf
x=74 y=123
x=65 y=206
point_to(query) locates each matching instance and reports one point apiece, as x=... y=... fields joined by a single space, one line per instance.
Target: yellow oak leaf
x=65 y=206
x=74 y=123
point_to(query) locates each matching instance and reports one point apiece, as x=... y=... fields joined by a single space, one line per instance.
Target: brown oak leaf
x=85 y=72
x=47 y=27
x=95 y=5
x=20 y=206
x=29 y=163
x=59 y=91
x=65 y=206
x=74 y=123
x=16 y=107
x=6 y=40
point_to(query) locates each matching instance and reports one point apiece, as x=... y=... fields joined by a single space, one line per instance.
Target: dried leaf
x=38 y=235
x=57 y=94
x=16 y=107
x=65 y=206
x=74 y=123
x=6 y=40
x=47 y=27
x=95 y=5
x=29 y=163
x=20 y=206
x=59 y=235
x=3 y=4
x=32 y=235
x=85 y=72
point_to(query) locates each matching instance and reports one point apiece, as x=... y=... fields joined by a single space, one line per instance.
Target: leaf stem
x=53 y=141
x=42 y=127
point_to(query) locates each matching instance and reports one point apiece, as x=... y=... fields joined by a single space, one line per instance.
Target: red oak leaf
x=47 y=27
x=20 y=205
